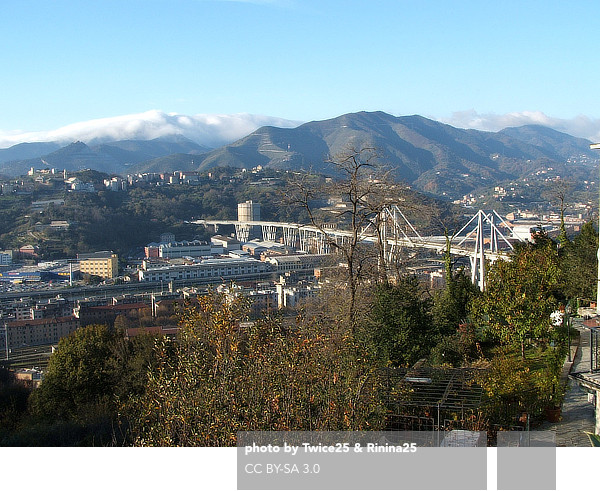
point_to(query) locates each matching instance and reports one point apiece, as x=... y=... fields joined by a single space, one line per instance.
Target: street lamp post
x=6 y=339
x=596 y=146
x=567 y=323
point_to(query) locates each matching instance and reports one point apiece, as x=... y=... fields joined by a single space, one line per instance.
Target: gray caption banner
x=362 y=460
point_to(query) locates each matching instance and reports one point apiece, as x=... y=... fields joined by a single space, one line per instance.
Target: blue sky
x=464 y=62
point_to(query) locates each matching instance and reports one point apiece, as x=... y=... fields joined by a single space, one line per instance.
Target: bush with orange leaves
x=223 y=375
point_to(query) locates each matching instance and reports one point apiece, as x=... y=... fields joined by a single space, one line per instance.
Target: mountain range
x=113 y=158
x=433 y=157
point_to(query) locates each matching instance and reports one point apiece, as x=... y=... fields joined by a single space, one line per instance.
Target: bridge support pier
x=242 y=232
x=269 y=232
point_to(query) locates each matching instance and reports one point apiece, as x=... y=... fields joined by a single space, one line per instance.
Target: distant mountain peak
x=432 y=156
x=77 y=144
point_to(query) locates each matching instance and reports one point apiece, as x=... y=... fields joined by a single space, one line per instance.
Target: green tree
x=13 y=403
x=450 y=305
x=559 y=191
x=510 y=388
x=91 y=371
x=78 y=379
x=401 y=323
x=579 y=264
x=520 y=294
x=456 y=349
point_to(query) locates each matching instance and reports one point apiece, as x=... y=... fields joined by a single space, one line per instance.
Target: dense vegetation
x=121 y=221
x=78 y=402
x=317 y=369
x=312 y=371
x=128 y=220
x=221 y=377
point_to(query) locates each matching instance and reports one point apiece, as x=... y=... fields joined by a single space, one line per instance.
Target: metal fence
x=594 y=349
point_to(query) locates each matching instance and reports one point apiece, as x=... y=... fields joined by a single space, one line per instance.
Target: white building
x=82 y=187
x=115 y=184
x=227 y=268
x=289 y=296
x=228 y=244
x=299 y=262
x=194 y=248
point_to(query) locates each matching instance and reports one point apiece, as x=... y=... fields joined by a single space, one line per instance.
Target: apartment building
x=104 y=264
x=36 y=332
x=6 y=258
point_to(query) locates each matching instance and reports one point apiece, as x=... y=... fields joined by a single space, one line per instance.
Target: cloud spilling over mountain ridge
x=214 y=130
x=434 y=157
x=211 y=130
x=580 y=126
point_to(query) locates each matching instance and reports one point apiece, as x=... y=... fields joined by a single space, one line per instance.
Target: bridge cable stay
x=393 y=231
x=484 y=222
x=391 y=227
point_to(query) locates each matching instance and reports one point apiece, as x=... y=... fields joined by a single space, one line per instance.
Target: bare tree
x=558 y=191
x=363 y=189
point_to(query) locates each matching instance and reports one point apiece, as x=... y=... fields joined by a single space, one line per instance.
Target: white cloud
x=214 y=130
x=580 y=126
x=207 y=129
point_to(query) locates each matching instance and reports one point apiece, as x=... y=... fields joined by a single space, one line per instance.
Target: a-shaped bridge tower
x=485 y=237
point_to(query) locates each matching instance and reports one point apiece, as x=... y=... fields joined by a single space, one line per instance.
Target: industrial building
x=299 y=262
x=227 y=244
x=194 y=248
x=249 y=211
x=208 y=269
